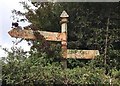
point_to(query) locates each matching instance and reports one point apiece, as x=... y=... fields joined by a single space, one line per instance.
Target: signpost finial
x=64 y=14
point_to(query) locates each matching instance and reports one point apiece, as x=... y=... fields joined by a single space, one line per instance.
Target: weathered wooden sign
x=82 y=54
x=29 y=34
x=26 y=34
x=55 y=36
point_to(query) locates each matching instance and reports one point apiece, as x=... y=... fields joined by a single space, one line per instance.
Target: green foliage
x=86 y=30
x=33 y=70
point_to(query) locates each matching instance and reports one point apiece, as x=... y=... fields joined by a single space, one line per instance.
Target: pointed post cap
x=64 y=14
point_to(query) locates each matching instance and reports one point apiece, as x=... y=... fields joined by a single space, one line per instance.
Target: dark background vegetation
x=90 y=26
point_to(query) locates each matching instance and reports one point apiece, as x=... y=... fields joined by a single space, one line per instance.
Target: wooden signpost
x=29 y=34
x=55 y=36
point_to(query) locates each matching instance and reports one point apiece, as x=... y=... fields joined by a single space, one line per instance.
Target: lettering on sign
x=82 y=54
x=52 y=36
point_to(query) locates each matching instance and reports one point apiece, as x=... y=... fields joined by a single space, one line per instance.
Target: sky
x=6 y=6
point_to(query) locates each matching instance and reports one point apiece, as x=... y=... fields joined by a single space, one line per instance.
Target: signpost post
x=55 y=36
x=63 y=22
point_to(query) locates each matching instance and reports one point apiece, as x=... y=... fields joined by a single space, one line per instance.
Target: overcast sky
x=6 y=6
